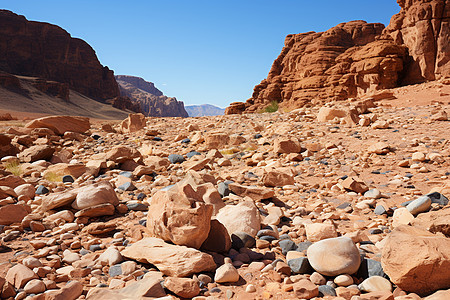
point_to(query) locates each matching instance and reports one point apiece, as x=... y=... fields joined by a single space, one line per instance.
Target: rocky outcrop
x=151 y=101
x=356 y=58
x=343 y=62
x=423 y=26
x=47 y=51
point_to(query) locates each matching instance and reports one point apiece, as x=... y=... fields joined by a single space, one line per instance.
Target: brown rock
x=318 y=231
x=218 y=239
x=355 y=185
x=172 y=260
x=182 y=287
x=19 y=275
x=95 y=194
x=422 y=262
x=278 y=177
x=434 y=221
x=11 y=181
x=121 y=154
x=105 y=209
x=71 y=291
x=179 y=215
x=133 y=123
x=12 y=213
x=243 y=217
x=285 y=145
x=6 y=148
x=216 y=140
x=146 y=288
x=55 y=55
x=256 y=193
x=61 y=169
x=37 y=152
x=305 y=289
x=61 y=124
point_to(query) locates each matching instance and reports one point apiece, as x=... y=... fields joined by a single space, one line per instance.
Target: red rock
x=421 y=265
x=133 y=123
x=12 y=213
x=183 y=287
x=149 y=100
x=19 y=275
x=6 y=148
x=61 y=124
x=180 y=215
x=48 y=51
x=37 y=152
x=305 y=289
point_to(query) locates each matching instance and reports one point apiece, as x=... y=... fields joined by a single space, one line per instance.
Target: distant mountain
x=152 y=102
x=204 y=110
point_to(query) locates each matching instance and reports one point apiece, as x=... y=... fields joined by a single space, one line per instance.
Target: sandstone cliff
x=150 y=100
x=356 y=58
x=423 y=26
x=47 y=51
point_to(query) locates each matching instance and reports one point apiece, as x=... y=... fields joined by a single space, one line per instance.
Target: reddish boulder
x=416 y=260
x=61 y=124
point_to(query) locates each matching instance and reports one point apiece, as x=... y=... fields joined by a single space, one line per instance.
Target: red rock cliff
x=43 y=50
x=356 y=58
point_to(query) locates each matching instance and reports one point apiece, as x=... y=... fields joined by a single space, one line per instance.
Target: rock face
x=424 y=27
x=426 y=269
x=357 y=58
x=152 y=102
x=44 y=50
x=61 y=124
x=345 y=61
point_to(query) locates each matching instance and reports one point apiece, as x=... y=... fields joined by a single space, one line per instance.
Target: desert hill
x=204 y=110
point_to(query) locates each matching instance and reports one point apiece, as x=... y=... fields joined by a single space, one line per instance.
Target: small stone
x=317 y=279
x=127 y=186
x=300 y=265
x=115 y=270
x=226 y=273
x=421 y=204
x=373 y=193
x=182 y=287
x=250 y=288
x=176 y=158
x=375 y=284
x=401 y=216
x=343 y=280
x=326 y=290
x=41 y=190
x=34 y=286
x=305 y=289
x=319 y=231
x=241 y=239
x=287 y=245
x=68 y=179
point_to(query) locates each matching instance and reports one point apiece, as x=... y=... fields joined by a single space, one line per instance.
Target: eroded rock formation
x=151 y=101
x=357 y=58
x=47 y=51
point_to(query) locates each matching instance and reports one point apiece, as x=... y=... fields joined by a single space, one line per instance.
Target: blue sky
x=198 y=51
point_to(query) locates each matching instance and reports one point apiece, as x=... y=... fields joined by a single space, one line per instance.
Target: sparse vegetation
x=14 y=167
x=273 y=107
x=53 y=177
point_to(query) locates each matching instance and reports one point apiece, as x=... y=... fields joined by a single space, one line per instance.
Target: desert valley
x=331 y=182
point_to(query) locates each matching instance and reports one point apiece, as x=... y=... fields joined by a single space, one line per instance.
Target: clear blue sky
x=198 y=51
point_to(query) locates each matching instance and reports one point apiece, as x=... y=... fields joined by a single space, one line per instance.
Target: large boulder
x=334 y=256
x=95 y=194
x=6 y=148
x=37 y=152
x=434 y=221
x=61 y=124
x=180 y=215
x=417 y=260
x=12 y=213
x=243 y=217
x=171 y=260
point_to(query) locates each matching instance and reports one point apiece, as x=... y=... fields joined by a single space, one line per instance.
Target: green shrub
x=273 y=107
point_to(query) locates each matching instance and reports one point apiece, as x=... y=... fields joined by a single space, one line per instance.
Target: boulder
x=256 y=193
x=417 y=260
x=19 y=275
x=133 y=123
x=286 y=145
x=277 y=177
x=180 y=215
x=171 y=260
x=243 y=217
x=6 y=147
x=95 y=194
x=319 y=231
x=37 y=152
x=61 y=124
x=120 y=154
x=182 y=287
x=334 y=256
x=61 y=169
x=434 y=221
x=218 y=239
x=12 y=213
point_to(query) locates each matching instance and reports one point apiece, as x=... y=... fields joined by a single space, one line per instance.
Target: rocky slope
x=348 y=201
x=47 y=51
x=151 y=101
x=21 y=95
x=356 y=58
x=204 y=110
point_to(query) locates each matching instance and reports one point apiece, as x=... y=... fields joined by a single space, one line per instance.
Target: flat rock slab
x=171 y=260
